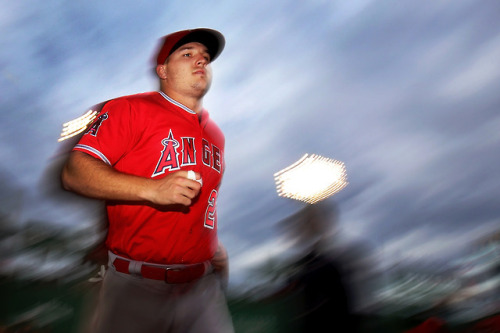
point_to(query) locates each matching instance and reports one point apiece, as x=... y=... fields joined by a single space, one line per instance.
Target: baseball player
x=157 y=159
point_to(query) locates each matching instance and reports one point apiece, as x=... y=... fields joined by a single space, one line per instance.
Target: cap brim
x=212 y=39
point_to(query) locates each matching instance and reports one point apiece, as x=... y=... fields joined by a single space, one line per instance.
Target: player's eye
x=188 y=54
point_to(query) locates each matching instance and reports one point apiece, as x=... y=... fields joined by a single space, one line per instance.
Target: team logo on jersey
x=188 y=151
x=97 y=123
x=169 y=159
x=211 y=156
x=177 y=154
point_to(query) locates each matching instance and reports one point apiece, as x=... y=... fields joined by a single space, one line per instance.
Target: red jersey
x=151 y=135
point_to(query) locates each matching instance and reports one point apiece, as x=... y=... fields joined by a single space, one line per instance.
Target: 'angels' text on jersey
x=177 y=154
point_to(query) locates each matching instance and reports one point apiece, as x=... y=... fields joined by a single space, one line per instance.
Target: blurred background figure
x=323 y=275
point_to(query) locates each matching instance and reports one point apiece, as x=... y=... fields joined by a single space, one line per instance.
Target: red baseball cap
x=212 y=39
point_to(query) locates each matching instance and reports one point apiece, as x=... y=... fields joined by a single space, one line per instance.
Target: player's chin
x=202 y=85
x=200 y=93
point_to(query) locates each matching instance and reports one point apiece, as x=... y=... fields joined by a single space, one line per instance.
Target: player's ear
x=161 y=71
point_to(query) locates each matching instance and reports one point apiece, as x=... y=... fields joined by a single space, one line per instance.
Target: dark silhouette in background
x=320 y=278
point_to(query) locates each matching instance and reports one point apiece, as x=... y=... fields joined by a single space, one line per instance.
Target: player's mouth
x=199 y=72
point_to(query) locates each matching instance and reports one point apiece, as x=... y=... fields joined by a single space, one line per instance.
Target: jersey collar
x=182 y=106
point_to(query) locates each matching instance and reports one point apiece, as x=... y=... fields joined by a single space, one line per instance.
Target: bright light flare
x=311 y=179
x=78 y=125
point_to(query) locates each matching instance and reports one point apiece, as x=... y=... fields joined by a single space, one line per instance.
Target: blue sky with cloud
x=404 y=93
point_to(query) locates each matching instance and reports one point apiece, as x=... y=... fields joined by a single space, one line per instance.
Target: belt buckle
x=173 y=279
x=175 y=275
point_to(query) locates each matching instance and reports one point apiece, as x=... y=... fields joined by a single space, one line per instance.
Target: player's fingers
x=187 y=191
x=190 y=174
x=180 y=178
x=191 y=185
x=182 y=194
x=176 y=188
x=182 y=200
x=190 y=191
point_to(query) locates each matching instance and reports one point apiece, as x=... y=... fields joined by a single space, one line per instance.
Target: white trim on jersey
x=94 y=151
x=185 y=108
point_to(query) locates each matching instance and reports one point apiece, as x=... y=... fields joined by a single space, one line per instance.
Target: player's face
x=188 y=70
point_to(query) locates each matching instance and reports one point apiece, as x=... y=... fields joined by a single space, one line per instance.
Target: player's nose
x=201 y=61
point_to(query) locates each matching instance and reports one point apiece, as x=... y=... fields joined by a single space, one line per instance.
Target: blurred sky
x=405 y=93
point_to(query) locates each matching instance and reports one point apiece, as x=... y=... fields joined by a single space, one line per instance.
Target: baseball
x=191 y=175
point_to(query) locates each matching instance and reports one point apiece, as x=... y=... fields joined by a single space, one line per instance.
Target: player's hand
x=220 y=263
x=175 y=188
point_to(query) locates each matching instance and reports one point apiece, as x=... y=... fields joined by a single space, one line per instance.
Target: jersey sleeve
x=111 y=134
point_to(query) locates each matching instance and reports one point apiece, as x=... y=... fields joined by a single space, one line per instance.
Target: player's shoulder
x=146 y=97
x=133 y=103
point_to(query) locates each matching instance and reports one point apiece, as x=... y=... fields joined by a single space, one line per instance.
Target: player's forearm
x=88 y=176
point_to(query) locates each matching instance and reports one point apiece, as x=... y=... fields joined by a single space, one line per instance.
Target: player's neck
x=192 y=102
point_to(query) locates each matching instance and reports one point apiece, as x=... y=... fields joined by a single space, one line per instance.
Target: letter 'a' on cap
x=212 y=39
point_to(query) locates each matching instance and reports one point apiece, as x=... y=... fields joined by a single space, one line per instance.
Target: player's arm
x=91 y=177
